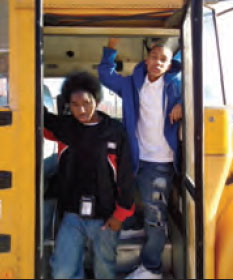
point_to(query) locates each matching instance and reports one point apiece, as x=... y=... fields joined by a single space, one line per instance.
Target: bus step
x=128 y=256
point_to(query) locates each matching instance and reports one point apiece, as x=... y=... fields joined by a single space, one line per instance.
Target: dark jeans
x=50 y=166
x=154 y=182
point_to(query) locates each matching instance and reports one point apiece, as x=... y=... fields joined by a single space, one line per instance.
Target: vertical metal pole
x=197 y=25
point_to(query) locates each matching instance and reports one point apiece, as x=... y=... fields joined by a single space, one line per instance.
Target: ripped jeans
x=154 y=182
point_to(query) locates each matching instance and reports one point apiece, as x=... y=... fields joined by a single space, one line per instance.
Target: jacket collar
x=140 y=73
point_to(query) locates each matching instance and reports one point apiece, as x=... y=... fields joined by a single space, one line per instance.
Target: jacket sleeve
x=57 y=126
x=49 y=135
x=178 y=85
x=107 y=72
x=125 y=206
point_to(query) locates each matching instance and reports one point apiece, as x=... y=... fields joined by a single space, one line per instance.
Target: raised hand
x=113 y=42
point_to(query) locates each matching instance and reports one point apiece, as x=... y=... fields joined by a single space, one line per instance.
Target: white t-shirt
x=153 y=146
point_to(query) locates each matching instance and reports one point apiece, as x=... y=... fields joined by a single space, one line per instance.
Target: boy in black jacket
x=96 y=187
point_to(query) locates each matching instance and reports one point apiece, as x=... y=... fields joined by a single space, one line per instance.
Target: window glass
x=4 y=53
x=111 y=104
x=53 y=86
x=213 y=95
x=188 y=97
x=225 y=27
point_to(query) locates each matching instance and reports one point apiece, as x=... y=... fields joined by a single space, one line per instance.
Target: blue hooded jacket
x=128 y=88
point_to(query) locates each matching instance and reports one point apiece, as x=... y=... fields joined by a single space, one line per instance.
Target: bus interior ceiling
x=76 y=43
x=63 y=55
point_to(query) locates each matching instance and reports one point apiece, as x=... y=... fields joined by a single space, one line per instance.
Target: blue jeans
x=67 y=261
x=50 y=166
x=154 y=182
x=50 y=208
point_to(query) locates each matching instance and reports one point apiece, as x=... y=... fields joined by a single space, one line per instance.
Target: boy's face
x=158 y=62
x=83 y=106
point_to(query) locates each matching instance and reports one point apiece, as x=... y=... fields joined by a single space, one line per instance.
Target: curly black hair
x=80 y=82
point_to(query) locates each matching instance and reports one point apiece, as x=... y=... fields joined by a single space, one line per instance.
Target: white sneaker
x=142 y=273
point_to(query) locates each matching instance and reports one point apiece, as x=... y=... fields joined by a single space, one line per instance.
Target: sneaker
x=142 y=273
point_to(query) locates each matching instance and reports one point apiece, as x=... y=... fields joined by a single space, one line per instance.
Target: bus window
x=211 y=70
x=111 y=104
x=226 y=44
x=188 y=98
x=4 y=50
x=54 y=85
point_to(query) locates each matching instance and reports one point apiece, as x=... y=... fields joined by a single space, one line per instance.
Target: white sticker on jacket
x=112 y=145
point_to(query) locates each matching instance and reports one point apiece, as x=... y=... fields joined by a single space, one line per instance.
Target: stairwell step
x=128 y=256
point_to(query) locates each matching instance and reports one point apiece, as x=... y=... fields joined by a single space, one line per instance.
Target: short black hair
x=80 y=82
x=159 y=45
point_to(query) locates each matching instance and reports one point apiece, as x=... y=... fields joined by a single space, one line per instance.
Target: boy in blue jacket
x=151 y=111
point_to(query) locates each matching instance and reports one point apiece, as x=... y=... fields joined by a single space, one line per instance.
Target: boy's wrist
x=112 y=43
x=111 y=47
x=113 y=223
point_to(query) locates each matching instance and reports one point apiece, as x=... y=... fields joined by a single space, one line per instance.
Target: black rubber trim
x=5 y=118
x=5 y=180
x=38 y=135
x=5 y=243
x=224 y=12
x=229 y=180
x=197 y=35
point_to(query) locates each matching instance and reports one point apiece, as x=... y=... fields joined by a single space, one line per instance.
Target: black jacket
x=97 y=163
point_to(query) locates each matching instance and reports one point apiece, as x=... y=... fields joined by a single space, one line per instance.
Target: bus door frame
x=195 y=188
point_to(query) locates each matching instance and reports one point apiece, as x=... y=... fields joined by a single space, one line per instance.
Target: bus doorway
x=76 y=52
x=74 y=33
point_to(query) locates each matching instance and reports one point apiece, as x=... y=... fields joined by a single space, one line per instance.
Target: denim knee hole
x=158 y=196
x=160 y=183
x=155 y=216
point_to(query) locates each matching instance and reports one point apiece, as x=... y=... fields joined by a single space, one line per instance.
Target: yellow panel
x=224 y=236
x=104 y=4
x=216 y=131
x=218 y=156
x=17 y=150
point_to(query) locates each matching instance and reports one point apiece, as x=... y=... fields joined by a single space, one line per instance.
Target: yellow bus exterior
x=18 y=142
